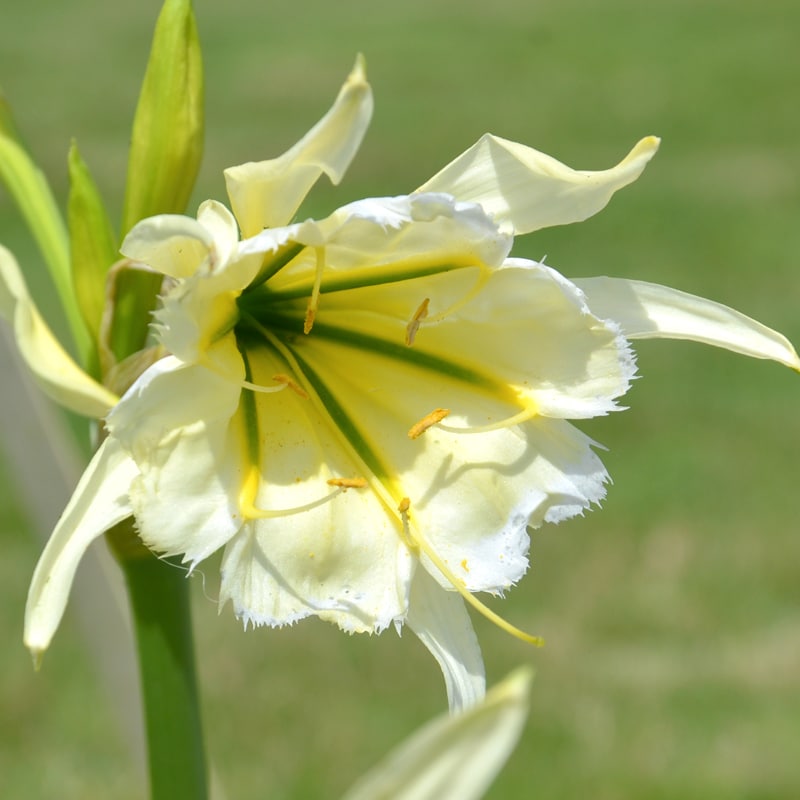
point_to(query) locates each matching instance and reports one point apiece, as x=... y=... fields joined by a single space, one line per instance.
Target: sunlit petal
x=58 y=376
x=529 y=190
x=441 y=622
x=455 y=757
x=99 y=502
x=647 y=311
x=319 y=540
x=266 y=194
x=184 y=495
x=171 y=244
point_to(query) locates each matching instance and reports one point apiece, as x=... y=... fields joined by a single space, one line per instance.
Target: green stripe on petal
x=651 y=311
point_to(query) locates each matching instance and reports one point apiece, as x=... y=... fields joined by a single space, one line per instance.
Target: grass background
x=673 y=615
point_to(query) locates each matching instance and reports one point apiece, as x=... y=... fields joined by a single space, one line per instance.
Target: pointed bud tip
x=359 y=72
x=37 y=655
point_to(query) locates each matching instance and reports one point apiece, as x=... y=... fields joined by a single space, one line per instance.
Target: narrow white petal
x=648 y=311
x=455 y=757
x=99 y=502
x=268 y=193
x=530 y=190
x=441 y=622
x=56 y=374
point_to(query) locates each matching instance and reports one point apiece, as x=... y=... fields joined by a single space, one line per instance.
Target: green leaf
x=29 y=188
x=167 y=138
x=165 y=154
x=92 y=239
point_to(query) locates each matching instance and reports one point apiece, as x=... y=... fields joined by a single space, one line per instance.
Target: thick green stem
x=159 y=595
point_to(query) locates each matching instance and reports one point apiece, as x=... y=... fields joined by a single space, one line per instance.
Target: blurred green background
x=672 y=616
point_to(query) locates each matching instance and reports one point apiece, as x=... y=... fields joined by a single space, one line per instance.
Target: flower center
x=280 y=318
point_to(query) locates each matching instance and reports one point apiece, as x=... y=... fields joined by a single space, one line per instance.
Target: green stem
x=159 y=596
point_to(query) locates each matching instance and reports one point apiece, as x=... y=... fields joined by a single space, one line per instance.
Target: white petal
x=268 y=193
x=99 y=502
x=221 y=224
x=530 y=190
x=171 y=244
x=56 y=374
x=471 y=494
x=342 y=557
x=174 y=423
x=647 y=311
x=455 y=757
x=441 y=622
x=523 y=326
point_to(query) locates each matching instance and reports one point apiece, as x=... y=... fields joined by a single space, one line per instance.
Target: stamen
x=249 y=510
x=286 y=380
x=418 y=428
x=348 y=483
x=420 y=544
x=416 y=320
x=483 y=278
x=516 y=419
x=255 y=387
x=313 y=301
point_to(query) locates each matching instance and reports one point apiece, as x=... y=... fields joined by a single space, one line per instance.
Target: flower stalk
x=160 y=602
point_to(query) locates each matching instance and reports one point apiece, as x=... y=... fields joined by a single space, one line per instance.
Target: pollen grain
x=348 y=483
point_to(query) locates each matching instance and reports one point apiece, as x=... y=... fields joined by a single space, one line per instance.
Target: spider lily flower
x=368 y=411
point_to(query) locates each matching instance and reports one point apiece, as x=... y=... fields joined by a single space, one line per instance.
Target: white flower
x=368 y=411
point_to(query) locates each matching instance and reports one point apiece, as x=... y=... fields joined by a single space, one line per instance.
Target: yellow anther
x=437 y=415
x=413 y=326
x=348 y=483
x=404 y=505
x=292 y=384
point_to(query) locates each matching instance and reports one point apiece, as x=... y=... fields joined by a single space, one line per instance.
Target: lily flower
x=368 y=411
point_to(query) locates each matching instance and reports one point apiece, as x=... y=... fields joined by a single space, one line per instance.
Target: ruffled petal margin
x=650 y=311
x=99 y=502
x=56 y=374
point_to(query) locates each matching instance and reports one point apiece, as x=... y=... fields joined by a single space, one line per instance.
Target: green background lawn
x=672 y=615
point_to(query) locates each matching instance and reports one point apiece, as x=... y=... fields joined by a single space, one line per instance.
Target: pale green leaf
x=92 y=240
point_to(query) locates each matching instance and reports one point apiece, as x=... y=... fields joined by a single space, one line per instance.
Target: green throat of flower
x=278 y=326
